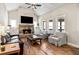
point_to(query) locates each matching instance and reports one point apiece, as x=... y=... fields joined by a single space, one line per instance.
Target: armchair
x=58 y=38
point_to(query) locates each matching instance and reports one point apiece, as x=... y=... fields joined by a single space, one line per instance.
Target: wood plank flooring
x=48 y=49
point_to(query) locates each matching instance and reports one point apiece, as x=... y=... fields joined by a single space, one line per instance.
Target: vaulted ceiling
x=46 y=7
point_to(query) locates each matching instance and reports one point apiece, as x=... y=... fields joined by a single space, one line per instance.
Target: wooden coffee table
x=10 y=49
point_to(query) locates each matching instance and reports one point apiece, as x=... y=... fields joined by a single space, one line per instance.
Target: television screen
x=25 y=19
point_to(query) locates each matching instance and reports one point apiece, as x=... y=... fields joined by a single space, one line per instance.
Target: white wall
x=3 y=15
x=16 y=15
x=70 y=13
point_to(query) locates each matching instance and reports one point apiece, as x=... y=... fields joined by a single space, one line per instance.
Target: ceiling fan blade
x=37 y=5
x=28 y=3
x=33 y=5
x=29 y=7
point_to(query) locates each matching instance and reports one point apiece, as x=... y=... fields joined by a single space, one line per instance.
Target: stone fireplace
x=26 y=29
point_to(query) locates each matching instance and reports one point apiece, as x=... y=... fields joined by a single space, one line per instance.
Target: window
x=61 y=25
x=50 y=24
x=44 y=25
x=13 y=23
x=35 y=24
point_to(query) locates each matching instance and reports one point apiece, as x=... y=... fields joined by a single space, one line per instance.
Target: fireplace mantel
x=26 y=24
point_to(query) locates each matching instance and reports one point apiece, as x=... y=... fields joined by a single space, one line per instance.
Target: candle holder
x=2 y=48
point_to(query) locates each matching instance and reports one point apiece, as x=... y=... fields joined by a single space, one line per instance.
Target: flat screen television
x=26 y=19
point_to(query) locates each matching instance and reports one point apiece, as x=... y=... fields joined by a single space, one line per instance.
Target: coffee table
x=10 y=49
x=35 y=38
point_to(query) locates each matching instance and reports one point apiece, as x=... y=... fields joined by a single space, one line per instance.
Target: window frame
x=44 y=25
x=61 y=20
x=50 y=26
x=13 y=23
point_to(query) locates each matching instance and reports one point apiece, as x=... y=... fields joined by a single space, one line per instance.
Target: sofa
x=59 y=38
x=10 y=39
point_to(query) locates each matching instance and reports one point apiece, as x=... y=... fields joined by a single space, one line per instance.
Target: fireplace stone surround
x=26 y=29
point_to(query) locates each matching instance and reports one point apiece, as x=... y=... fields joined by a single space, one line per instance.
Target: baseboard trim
x=77 y=46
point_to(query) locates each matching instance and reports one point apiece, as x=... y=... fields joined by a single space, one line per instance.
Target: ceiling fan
x=31 y=5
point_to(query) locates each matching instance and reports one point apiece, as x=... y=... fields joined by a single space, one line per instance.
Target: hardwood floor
x=48 y=49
